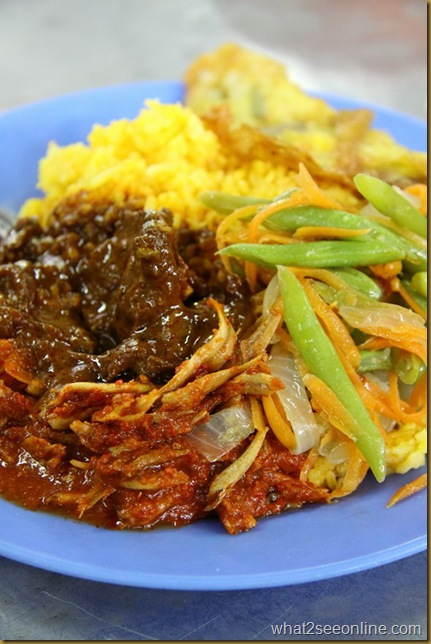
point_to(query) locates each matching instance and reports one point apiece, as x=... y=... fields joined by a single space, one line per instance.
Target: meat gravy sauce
x=105 y=291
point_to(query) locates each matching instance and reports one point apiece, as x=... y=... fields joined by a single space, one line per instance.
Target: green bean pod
x=375 y=360
x=420 y=283
x=391 y=203
x=359 y=280
x=225 y=203
x=322 y=360
x=418 y=298
x=290 y=219
x=317 y=254
x=407 y=366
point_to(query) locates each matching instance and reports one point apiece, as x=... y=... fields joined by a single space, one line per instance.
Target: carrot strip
x=315 y=195
x=323 y=232
x=411 y=302
x=279 y=425
x=335 y=327
x=407 y=490
x=270 y=237
x=233 y=217
x=413 y=339
x=225 y=224
x=419 y=190
x=375 y=400
x=419 y=396
x=329 y=406
x=297 y=198
x=355 y=473
x=321 y=274
x=400 y=405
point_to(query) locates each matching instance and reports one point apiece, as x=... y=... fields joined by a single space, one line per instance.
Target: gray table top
x=367 y=50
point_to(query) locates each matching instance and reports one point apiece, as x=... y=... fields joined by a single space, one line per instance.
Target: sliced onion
x=294 y=399
x=223 y=431
x=379 y=314
x=381 y=380
x=272 y=293
x=336 y=452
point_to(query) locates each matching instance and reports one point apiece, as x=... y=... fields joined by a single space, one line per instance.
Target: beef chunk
x=103 y=292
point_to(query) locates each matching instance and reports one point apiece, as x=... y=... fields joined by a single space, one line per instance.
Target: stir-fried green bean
x=419 y=283
x=353 y=279
x=407 y=366
x=323 y=361
x=326 y=292
x=290 y=219
x=391 y=203
x=318 y=254
x=225 y=203
x=414 y=294
x=360 y=280
x=375 y=360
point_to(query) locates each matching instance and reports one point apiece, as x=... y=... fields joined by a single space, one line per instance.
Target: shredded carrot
x=407 y=490
x=326 y=402
x=335 y=327
x=315 y=195
x=383 y=402
x=403 y=409
x=295 y=199
x=374 y=399
x=411 y=302
x=419 y=395
x=227 y=222
x=355 y=473
x=321 y=274
x=271 y=237
x=224 y=226
x=278 y=422
x=323 y=232
x=419 y=190
x=404 y=336
x=233 y=217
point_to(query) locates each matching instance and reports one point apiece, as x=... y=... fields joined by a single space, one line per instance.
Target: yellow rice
x=166 y=156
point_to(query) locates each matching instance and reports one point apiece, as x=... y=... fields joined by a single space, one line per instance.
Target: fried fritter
x=259 y=92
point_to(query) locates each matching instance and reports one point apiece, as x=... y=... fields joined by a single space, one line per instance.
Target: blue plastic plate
x=314 y=543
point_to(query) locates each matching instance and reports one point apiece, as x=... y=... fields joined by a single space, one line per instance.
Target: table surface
x=367 y=50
